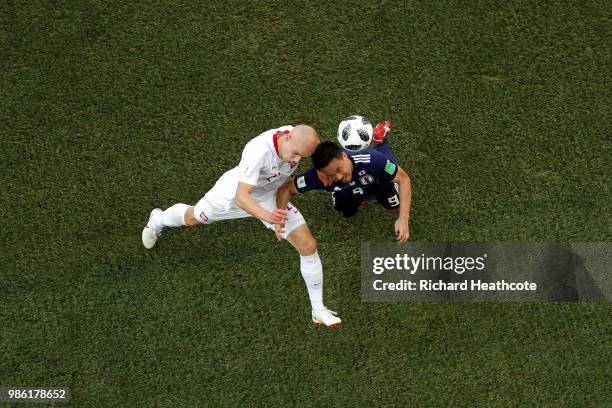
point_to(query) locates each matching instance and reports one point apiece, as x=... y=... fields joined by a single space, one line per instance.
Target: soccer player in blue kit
x=356 y=177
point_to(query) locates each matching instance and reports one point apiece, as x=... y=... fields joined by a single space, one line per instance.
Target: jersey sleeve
x=250 y=165
x=308 y=181
x=384 y=169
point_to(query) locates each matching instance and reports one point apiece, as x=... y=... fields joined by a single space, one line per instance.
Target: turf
x=108 y=109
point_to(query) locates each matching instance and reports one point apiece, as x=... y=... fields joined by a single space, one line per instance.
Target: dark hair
x=325 y=153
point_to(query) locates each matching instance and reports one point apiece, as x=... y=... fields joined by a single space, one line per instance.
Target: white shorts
x=206 y=212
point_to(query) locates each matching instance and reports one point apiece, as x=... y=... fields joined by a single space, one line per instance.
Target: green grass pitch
x=108 y=109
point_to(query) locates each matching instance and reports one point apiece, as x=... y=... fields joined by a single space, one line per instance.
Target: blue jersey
x=372 y=171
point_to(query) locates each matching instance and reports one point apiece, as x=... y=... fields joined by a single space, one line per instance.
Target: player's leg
x=300 y=237
x=178 y=215
x=385 y=148
x=185 y=215
x=175 y=216
x=381 y=143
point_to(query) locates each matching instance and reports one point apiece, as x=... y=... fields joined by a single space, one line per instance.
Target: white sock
x=312 y=272
x=171 y=217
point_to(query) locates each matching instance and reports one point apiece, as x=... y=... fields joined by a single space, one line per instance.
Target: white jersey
x=260 y=166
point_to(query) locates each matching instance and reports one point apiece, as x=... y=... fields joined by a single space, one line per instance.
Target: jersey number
x=394 y=201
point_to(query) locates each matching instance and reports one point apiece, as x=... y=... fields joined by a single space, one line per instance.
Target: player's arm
x=402 y=225
x=387 y=170
x=250 y=167
x=283 y=195
x=311 y=180
x=245 y=200
x=285 y=192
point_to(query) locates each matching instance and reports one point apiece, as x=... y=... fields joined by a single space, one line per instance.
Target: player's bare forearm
x=284 y=193
x=245 y=200
x=405 y=194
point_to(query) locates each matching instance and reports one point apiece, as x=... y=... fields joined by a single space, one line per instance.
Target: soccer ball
x=355 y=133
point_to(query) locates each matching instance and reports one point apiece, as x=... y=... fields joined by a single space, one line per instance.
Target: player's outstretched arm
x=245 y=200
x=402 y=225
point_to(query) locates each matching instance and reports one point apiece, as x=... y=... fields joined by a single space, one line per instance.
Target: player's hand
x=380 y=131
x=402 y=231
x=279 y=230
x=278 y=216
x=327 y=181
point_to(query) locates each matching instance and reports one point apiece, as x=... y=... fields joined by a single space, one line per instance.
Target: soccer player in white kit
x=249 y=189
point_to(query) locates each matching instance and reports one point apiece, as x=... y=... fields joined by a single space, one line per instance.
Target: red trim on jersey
x=275 y=139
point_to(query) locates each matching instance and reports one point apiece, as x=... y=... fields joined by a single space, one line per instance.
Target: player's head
x=300 y=142
x=331 y=160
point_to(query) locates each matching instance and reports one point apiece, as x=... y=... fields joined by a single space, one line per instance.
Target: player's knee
x=302 y=240
x=190 y=219
x=309 y=246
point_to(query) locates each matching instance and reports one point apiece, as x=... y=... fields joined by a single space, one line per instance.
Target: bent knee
x=309 y=247
x=190 y=218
